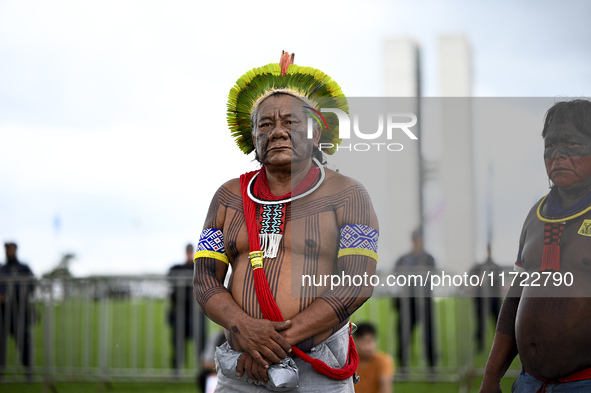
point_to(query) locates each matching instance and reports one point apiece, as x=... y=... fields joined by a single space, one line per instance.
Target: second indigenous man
x=291 y=218
x=546 y=317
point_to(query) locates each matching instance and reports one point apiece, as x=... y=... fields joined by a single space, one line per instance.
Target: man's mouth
x=554 y=170
x=279 y=148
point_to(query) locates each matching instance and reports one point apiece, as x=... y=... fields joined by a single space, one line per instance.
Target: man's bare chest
x=314 y=234
x=574 y=243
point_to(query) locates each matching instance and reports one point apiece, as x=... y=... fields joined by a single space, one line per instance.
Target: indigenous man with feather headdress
x=293 y=217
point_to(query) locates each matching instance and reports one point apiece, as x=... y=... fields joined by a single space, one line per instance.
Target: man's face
x=189 y=251
x=366 y=346
x=281 y=131
x=417 y=242
x=567 y=155
x=10 y=252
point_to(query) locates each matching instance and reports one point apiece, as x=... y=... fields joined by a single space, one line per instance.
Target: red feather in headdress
x=285 y=61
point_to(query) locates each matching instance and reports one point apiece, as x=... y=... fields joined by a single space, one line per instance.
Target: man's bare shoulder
x=530 y=221
x=350 y=200
x=532 y=215
x=228 y=191
x=232 y=186
x=226 y=196
x=338 y=183
x=230 y=194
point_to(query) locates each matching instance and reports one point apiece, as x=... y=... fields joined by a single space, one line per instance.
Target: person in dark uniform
x=415 y=304
x=488 y=296
x=16 y=314
x=181 y=315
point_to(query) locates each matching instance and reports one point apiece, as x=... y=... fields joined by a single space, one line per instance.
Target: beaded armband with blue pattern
x=359 y=239
x=211 y=245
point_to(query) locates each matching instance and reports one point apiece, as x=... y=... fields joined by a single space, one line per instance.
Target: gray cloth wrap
x=283 y=376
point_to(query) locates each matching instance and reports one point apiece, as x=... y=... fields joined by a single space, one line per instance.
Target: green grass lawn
x=93 y=387
x=133 y=333
x=138 y=346
x=457 y=357
x=454 y=331
x=183 y=387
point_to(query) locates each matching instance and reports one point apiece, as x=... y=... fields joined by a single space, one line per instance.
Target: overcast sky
x=112 y=113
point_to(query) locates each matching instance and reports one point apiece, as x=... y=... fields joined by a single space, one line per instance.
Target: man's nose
x=559 y=152
x=279 y=131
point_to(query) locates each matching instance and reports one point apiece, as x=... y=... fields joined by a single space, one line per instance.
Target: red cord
x=265 y=298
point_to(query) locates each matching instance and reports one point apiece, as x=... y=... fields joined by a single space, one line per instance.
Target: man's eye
x=264 y=125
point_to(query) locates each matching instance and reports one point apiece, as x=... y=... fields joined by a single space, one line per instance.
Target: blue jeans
x=529 y=384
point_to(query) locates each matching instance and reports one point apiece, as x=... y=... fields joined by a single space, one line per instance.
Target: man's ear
x=317 y=133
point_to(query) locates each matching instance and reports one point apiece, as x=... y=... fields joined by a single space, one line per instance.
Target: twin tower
x=432 y=183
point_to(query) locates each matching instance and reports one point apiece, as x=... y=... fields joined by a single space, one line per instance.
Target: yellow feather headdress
x=313 y=86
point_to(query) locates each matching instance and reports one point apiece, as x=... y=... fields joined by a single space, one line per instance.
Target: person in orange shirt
x=376 y=369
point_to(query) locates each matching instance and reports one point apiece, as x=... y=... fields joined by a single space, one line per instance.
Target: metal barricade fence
x=103 y=328
x=459 y=323
x=111 y=328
